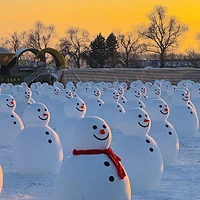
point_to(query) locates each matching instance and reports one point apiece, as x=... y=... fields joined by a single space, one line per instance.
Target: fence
x=130 y=74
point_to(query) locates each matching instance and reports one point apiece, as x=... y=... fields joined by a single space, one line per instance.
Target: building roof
x=3 y=50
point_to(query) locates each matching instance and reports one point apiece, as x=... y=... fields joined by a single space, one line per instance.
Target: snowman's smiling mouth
x=115 y=97
x=79 y=109
x=143 y=125
x=137 y=96
x=10 y=106
x=164 y=113
x=43 y=118
x=27 y=97
x=157 y=93
x=185 y=99
x=96 y=95
x=101 y=138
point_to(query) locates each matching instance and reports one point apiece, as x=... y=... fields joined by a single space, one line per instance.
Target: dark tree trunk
x=162 y=59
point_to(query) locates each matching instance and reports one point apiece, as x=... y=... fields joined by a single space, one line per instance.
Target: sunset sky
x=95 y=15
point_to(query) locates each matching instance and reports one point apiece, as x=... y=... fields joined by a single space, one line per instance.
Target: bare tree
x=129 y=46
x=40 y=36
x=163 y=32
x=74 y=45
x=14 y=41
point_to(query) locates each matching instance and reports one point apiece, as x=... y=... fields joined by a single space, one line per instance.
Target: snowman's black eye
x=145 y=115
x=160 y=106
x=94 y=127
x=113 y=93
x=66 y=92
x=139 y=116
x=25 y=92
x=45 y=109
x=135 y=91
x=7 y=99
x=104 y=126
x=77 y=104
x=38 y=110
x=182 y=94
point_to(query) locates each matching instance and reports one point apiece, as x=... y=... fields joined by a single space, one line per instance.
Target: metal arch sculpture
x=32 y=50
x=119 y=61
x=57 y=56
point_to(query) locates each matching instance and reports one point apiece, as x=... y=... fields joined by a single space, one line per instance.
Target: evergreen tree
x=111 y=48
x=98 y=51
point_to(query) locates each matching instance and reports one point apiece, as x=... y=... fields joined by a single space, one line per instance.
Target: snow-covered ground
x=180 y=181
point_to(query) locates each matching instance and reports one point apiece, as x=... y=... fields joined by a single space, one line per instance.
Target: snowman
x=133 y=96
x=112 y=113
x=122 y=98
x=162 y=131
x=154 y=92
x=23 y=100
x=72 y=88
x=58 y=113
x=182 y=116
x=1 y=178
x=93 y=171
x=37 y=149
x=110 y=96
x=74 y=109
x=93 y=102
x=10 y=123
x=140 y=154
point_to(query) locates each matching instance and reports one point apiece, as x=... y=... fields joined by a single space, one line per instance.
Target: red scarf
x=109 y=152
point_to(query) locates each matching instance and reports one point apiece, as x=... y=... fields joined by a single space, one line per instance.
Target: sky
x=96 y=15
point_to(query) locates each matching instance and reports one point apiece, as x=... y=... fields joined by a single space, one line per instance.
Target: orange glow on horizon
x=95 y=15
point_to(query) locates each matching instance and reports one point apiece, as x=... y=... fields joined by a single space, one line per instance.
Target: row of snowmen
x=68 y=130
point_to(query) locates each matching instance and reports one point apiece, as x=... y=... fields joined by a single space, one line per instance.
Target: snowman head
x=133 y=84
x=24 y=94
x=16 y=89
x=58 y=85
x=93 y=93
x=171 y=89
x=64 y=95
x=91 y=133
x=135 y=121
x=142 y=88
x=180 y=96
x=24 y=85
x=133 y=94
x=54 y=92
x=75 y=107
x=110 y=96
x=182 y=84
x=112 y=113
x=109 y=85
x=190 y=83
x=157 y=83
x=79 y=84
x=157 y=109
x=148 y=85
x=120 y=90
x=36 y=114
x=7 y=103
x=124 y=85
x=154 y=92
x=115 y=83
x=34 y=86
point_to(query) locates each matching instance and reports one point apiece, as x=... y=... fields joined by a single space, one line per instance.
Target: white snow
x=180 y=181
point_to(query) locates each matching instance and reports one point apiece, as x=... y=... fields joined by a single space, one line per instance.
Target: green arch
x=57 y=56
x=119 y=61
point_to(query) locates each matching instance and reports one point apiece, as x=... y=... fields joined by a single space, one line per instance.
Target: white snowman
x=162 y=131
x=23 y=99
x=37 y=149
x=110 y=96
x=122 y=98
x=93 y=171
x=133 y=96
x=74 y=109
x=58 y=113
x=93 y=102
x=10 y=123
x=182 y=116
x=140 y=154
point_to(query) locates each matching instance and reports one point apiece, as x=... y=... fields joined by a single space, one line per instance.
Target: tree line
x=158 y=40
